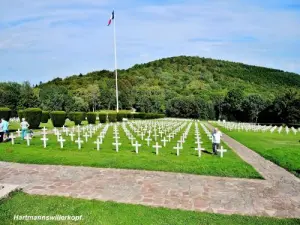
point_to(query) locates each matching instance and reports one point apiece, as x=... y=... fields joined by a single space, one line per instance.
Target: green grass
x=98 y=212
x=282 y=149
x=167 y=160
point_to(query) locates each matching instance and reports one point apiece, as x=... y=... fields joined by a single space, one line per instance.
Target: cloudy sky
x=41 y=40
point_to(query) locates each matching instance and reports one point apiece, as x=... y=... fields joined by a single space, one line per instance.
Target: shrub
x=45 y=117
x=91 y=117
x=120 y=116
x=5 y=113
x=58 y=118
x=112 y=117
x=130 y=115
x=21 y=114
x=33 y=116
x=102 y=117
x=77 y=117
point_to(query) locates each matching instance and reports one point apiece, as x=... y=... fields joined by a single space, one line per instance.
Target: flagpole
x=116 y=71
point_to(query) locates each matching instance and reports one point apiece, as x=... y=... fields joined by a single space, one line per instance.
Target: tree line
x=182 y=86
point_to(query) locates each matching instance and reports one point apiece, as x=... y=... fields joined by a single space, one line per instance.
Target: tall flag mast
x=112 y=19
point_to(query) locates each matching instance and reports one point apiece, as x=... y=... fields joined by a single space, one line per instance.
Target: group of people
x=4 y=129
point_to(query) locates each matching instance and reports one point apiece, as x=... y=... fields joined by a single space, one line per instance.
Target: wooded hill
x=180 y=86
x=184 y=75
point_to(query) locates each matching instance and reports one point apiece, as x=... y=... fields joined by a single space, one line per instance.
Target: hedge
x=77 y=117
x=147 y=116
x=58 y=118
x=21 y=114
x=5 y=113
x=120 y=116
x=91 y=117
x=45 y=117
x=102 y=117
x=33 y=116
x=112 y=117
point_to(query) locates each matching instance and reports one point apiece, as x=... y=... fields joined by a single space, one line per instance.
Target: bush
x=77 y=117
x=112 y=117
x=33 y=116
x=102 y=117
x=91 y=117
x=130 y=115
x=58 y=118
x=120 y=116
x=5 y=113
x=21 y=114
x=45 y=117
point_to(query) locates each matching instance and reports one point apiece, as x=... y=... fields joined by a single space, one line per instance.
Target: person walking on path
x=24 y=127
x=216 y=140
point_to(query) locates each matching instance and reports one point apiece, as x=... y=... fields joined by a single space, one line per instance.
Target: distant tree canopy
x=189 y=87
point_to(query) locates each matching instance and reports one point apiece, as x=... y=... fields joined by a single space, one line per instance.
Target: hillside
x=190 y=76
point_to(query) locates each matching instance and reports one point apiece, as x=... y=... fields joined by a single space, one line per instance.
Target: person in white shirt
x=216 y=140
x=24 y=127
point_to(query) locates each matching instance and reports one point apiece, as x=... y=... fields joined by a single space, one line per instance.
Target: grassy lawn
x=167 y=160
x=282 y=149
x=98 y=212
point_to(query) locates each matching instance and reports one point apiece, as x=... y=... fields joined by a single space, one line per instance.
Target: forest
x=182 y=86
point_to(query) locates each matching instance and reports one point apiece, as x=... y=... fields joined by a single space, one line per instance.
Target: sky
x=42 y=40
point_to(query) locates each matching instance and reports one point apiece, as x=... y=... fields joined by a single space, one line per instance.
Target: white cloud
x=45 y=39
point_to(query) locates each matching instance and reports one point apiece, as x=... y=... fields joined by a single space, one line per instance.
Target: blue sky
x=41 y=40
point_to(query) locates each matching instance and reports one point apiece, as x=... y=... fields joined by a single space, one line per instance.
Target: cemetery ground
x=280 y=148
x=98 y=212
x=231 y=165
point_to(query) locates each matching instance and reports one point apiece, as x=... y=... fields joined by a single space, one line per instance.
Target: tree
x=287 y=107
x=218 y=100
x=55 y=98
x=232 y=105
x=28 y=98
x=252 y=106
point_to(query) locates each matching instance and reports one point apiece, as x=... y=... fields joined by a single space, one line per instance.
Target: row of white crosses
x=198 y=140
x=208 y=133
x=116 y=137
x=101 y=136
x=256 y=128
x=182 y=139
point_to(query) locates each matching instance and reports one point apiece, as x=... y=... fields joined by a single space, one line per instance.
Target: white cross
x=199 y=149
x=177 y=148
x=117 y=145
x=98 y=142
x=142 y=136
x=19 y=133
x=161 y=133
x=156 y=148
x=169 y=136
x=61 y=140
x=44 y=139
x=12 y=137
x=79 y=141
x=28 y=139
x=136 y=145
x=148 y=139
x=164 y=141
x=44 y=130
x=198 y=142
x=86 y=137
x=221 y=151
x=72 y=136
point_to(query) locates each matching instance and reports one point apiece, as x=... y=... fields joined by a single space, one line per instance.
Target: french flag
x=111 y=18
